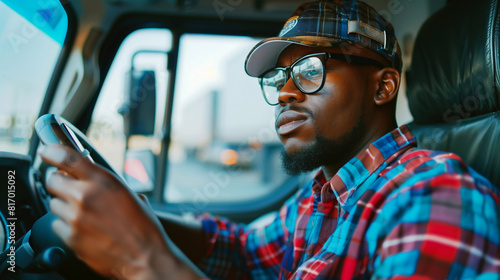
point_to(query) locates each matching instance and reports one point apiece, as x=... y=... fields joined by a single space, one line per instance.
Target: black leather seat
x=453 y=85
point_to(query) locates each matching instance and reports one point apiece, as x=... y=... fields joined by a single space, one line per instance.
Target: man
x=378 y=208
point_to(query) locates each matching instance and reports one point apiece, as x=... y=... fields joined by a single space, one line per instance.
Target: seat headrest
x=455 y=66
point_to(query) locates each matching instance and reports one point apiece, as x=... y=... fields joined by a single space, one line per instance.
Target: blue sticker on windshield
x=52 y=16
x=47 y=15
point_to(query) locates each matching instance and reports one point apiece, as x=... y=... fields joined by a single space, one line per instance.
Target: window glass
x=32 y=36
x=144 y=50
x=223 y=147
x=223 y=144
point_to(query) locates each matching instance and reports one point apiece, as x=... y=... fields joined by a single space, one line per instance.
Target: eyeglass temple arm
x=356 y=59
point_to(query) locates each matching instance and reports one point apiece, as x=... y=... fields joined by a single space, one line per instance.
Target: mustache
x=306 y=111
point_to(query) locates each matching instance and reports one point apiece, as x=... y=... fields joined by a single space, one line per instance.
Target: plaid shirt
x=393 y=211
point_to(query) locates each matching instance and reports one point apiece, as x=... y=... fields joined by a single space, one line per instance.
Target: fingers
x=62 y=229
x=68 y=160
x=64 y=187
x=62 y=210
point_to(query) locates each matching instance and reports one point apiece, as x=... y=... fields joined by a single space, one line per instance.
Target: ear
x=389 y=80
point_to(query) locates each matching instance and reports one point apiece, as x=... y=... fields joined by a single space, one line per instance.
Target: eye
x=312 y=73
x=309 y=69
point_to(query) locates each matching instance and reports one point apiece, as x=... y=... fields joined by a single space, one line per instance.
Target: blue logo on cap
x=290 y=24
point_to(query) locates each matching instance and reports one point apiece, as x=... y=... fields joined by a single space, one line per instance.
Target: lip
x=289 y=121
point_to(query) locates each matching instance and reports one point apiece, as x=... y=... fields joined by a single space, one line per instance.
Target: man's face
x=327 y=127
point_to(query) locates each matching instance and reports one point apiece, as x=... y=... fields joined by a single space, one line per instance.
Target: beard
x=322 y=151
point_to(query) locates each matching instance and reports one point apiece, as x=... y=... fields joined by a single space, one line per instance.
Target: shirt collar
x=384 y=150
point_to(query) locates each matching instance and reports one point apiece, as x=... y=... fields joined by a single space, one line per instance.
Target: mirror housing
x=139 y=111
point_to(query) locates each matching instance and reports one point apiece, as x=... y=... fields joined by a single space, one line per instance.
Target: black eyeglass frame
x=325 y=56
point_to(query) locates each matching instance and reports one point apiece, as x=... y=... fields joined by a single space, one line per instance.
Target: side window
x=136 y=81
x=223 y=147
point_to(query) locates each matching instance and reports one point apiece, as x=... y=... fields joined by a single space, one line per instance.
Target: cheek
x=341 y=108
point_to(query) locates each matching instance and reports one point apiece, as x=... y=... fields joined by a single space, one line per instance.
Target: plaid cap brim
x=266 y=53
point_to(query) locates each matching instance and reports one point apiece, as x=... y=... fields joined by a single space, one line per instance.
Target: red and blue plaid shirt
x=393 y=211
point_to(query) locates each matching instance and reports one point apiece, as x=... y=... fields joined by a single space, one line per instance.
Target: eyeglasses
x=307 y=73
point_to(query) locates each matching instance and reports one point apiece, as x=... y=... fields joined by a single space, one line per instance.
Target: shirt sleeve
x=236 y=252
x=438 y=226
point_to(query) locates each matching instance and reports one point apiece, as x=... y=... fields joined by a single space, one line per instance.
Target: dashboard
x=23 y=201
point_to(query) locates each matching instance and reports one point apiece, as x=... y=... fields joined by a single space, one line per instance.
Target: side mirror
x=139 y=111
x=139 y=117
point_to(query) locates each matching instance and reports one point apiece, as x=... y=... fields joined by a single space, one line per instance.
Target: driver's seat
x=453 y=86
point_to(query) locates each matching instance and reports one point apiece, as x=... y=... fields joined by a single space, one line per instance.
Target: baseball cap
x=328 y=24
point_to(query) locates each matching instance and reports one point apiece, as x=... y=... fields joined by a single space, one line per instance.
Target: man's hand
x=106 y=224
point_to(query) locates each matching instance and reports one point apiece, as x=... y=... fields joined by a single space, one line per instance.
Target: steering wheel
x=41 y=248
x=54 y=129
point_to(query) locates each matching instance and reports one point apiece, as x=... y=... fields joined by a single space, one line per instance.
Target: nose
x=290 y=93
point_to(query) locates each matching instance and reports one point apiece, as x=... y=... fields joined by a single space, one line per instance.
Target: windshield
x=31 y=40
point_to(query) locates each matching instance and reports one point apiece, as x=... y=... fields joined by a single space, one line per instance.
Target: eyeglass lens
x=307 y=74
